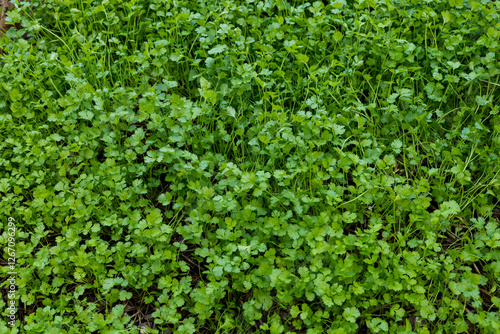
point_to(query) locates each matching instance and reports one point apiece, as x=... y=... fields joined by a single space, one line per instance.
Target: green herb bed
x=181 y=166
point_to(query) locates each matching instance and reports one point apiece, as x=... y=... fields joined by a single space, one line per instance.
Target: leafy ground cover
x=252 y=166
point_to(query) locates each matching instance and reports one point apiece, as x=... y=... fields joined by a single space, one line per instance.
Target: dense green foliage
x=253 y=166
